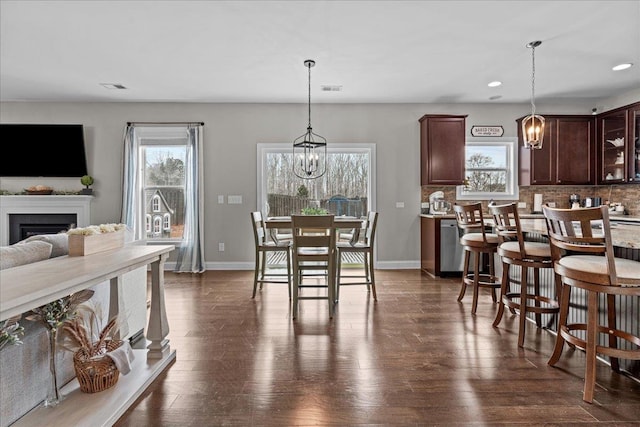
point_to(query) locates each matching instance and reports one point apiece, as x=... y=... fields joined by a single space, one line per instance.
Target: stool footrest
x=484 y=280
x=552 y=304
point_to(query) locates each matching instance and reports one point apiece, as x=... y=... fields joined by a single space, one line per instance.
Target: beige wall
x=230 y=137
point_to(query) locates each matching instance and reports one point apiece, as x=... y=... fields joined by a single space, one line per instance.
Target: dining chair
x=478 y=241
x=583 y=258
x=266 y=272
x=515 y=250
x=314 y=242
x=363 y=248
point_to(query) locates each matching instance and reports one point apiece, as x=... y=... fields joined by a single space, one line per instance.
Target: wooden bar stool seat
x=515 y=250
x=477 y=241
x=583 y=256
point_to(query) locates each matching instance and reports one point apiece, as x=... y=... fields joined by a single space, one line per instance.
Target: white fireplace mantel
x=40 y=204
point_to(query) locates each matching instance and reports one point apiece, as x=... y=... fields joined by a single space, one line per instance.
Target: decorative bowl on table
x=39 y=190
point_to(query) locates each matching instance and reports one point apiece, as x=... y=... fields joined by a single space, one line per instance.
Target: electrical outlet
x=220 y=247
x=522 y=205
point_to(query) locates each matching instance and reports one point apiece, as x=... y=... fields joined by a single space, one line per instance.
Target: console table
x=32 y=285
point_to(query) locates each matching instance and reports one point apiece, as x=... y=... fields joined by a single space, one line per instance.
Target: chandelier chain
x=533 y=80
x=309 y=67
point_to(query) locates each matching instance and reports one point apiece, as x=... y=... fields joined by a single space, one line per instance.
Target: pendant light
x=309 y=149
x=533 y=125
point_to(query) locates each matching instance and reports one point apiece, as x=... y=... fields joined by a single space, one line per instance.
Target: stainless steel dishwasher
x=451 y=252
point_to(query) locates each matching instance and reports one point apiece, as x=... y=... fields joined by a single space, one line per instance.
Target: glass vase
x=53 y=394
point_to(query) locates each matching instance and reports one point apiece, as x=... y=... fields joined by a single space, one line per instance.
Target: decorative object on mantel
x=95 y=238
x=39 y=190
x=53 y=316
x=87 y=181
x=533 y=125
x=10 y=331
x=309 y=149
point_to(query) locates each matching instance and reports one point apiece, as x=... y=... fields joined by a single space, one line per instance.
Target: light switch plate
x=522 y=205
x=399 y=204
x=221 y=199
x=234 y=200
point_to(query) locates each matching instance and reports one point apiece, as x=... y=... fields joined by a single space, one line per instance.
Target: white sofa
x=24 y=369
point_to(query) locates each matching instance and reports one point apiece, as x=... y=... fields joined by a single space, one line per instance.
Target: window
x=490 y=170
x=163 y=195
x=346 y=188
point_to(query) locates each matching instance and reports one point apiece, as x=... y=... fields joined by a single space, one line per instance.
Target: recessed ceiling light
x=622 y=66
x=493 y=98
x=494 y=84
x=331 y=88
x=113 y=85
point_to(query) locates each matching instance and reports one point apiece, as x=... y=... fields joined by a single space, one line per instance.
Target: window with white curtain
x=163 y=188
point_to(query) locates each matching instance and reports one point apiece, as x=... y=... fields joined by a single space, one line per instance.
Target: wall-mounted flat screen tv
x=42 y=150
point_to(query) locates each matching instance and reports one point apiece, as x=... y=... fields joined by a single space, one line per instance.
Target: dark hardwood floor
x=416 y=357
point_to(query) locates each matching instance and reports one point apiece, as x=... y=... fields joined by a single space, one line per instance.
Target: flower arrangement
x=11 y=331
x=86 y=333
x=314 y=211
x=53 y=316
x=97 y=229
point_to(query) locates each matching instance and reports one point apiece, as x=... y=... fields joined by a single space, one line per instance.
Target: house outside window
x=155 y=204
x=346 y=188
x=166 y=222
x=490 y=171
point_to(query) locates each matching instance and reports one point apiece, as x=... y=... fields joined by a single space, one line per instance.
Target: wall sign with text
x=487 y=131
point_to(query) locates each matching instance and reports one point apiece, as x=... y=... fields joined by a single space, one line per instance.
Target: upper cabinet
x=568 y=154
x=442 y=140
x=618 y=145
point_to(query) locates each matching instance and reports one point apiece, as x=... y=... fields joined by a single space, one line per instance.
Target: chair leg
x=611 y=318
x=476 y=280
x=492 y=273
x=296 y=283
x=338 y=275
x=536 y=287
x=264 y=267
x=592 y=337
x=371 y=273
x=289 y=274
x=503 y=292
x=523 y=306
x=465 y=270
x=255 y=274
x=562 y=322
x=367 y=272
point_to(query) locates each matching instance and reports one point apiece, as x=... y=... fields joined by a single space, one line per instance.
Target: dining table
x=273 y=224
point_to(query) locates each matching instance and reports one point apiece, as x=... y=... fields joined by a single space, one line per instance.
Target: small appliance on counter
x=574 y=201
x=591 y=202
x=438 y=206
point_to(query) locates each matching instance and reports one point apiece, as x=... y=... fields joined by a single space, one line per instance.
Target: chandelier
x=533 y=125
x=309 y=149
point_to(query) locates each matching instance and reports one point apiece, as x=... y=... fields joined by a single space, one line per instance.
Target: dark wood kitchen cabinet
x=442 y=140
x=568 y=154
x=619 y=146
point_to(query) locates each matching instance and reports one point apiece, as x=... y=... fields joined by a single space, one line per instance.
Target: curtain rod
x=165 y=123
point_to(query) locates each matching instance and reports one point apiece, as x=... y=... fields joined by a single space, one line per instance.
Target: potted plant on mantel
x=87 y=181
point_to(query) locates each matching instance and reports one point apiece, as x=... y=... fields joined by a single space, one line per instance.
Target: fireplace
x=22 y=226
x=40 y=214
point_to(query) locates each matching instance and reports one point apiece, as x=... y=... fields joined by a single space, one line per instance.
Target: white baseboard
x=380 y=265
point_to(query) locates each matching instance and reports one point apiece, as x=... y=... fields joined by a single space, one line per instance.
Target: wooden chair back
x=370 y=231
x=581 y=231
x=469 y=218
x=259 y=229
x=506 y=224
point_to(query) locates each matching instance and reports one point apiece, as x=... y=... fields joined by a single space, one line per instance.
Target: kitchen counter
x=625 y=230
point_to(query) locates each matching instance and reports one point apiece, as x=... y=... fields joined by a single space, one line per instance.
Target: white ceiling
x=378 y=51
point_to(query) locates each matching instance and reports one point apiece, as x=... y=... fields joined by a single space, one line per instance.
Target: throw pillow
x=59 y=241
x=24 y=253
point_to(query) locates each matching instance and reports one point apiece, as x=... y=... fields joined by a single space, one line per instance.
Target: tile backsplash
x=628 y=195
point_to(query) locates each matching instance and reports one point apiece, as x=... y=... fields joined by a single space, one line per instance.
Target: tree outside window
x=490 y=171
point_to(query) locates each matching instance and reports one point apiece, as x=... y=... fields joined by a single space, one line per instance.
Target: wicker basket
x=99 y=373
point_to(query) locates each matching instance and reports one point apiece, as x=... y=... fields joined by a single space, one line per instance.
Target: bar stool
x=515 y=250
x=583 y=258
x=476 y=240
